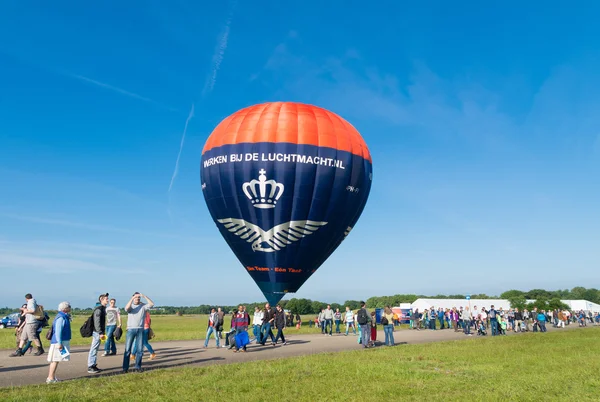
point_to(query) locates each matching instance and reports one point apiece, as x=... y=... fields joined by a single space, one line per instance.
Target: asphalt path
x=29 y=369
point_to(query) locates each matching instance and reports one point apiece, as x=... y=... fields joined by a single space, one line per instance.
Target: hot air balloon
x=285 y=183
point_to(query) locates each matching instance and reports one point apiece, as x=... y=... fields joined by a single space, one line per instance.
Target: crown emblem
x=256 y=191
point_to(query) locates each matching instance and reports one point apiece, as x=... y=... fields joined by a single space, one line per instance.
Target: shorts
x=29 y=332
x=54 y=353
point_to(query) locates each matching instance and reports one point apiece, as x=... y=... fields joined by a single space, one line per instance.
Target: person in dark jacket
x=267 y=324
x=99 y=318
x=279 y=324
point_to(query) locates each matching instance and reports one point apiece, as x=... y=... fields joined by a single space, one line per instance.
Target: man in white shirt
x=30 y=330
x=257 y=320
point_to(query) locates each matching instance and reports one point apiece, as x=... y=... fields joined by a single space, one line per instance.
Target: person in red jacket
x=240 y=324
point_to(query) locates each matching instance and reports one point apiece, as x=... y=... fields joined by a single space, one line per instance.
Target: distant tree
x=540 y=304
x=556 y=304
x=592 y=295
x=299 y=306
x=482 y=296
x=317 y=306
x=373 y=302
x=353 y=304
x=517 y=301
x=578 y=292
x=535 y=294
x=510 y=294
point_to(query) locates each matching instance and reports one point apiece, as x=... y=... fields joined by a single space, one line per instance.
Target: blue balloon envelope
x=285 y=183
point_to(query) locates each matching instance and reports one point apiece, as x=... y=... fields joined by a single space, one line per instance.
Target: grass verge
x=529 y=367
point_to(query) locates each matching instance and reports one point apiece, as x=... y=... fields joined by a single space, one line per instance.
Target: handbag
x=384 y=320
x=38 y=314
x=150 y=334
x=50 y=333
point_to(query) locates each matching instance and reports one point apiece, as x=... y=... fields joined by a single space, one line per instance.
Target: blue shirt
x=61 y=328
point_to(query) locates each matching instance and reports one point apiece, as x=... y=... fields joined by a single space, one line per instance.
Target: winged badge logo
x=274 y=239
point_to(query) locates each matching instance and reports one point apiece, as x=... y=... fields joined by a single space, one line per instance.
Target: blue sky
x=482 y=121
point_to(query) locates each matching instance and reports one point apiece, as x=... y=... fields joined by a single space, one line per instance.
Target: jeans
x=265 y=330
x=441 y=320
x=365 y=334
x=542 y=326
x=494 y=325
x=348 y=325
x=256 y=332
x=467 y=328
x=280 y=335
x=94 y=349
x=110 y=346
x=328 y=324
x=337 y=326
x=389 y=334
x=133 y=335
x=209 y=331
x=145 y=343
x=432 y=324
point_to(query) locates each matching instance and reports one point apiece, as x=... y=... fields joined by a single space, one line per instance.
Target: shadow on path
x=16 y=368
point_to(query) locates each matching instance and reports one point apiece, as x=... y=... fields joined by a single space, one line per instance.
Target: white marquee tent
x=585 y=305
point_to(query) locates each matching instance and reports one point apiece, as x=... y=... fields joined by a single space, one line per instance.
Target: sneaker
x=51 y=380
x=39 y=352
x=17 y=353
x=152 y=356
x=104 y=354
x=93 y=370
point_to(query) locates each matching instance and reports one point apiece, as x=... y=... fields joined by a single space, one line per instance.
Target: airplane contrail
x=187 y=121
x=120 y=90
x=218 y=58
x=210 y=82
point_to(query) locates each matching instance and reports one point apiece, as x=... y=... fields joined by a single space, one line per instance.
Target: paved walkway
x=31 y=369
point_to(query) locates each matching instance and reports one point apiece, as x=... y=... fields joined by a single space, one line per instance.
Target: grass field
x=166 y=328
x=530 y=367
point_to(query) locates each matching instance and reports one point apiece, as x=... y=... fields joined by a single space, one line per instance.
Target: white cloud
x=87 y=226
x=55 y=265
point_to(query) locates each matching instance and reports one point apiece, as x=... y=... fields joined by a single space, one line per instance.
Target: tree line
x=543 y=299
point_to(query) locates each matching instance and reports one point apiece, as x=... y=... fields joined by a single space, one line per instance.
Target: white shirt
x=258 y=318
x=349 y=316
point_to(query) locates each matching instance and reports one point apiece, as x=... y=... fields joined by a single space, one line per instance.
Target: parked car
x=10 y=321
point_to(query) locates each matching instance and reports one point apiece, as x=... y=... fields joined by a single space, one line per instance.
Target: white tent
x=426 y=304
x=577 y=305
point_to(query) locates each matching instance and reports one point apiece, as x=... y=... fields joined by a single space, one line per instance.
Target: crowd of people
x=498 y=321
x=105 y=324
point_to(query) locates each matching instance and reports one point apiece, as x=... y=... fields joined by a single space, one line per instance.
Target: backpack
x=87 y=328
x=362 y=316
x=45 y=321
x=38 y=314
